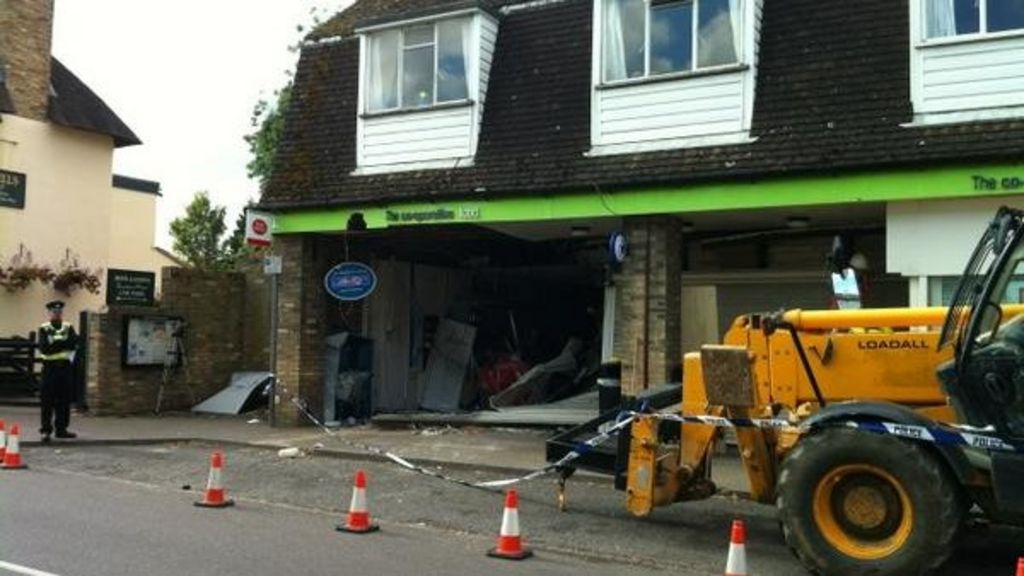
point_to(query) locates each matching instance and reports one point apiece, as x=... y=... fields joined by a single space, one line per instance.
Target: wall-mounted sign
x=130 y=287
x=350 y=281
x=258 y=228
x=618 y=248
x=12 y=189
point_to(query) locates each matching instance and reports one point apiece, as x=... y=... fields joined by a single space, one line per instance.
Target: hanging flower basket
x=21 y=272
x=71 y=277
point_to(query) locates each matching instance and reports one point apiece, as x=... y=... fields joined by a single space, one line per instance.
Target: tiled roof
x=832 y=92
x=74 y=105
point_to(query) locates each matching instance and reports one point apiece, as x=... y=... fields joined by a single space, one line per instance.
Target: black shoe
x=65 y=434
x=46 y=439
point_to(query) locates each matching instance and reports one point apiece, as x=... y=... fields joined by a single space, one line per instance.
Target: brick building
x=480 y=155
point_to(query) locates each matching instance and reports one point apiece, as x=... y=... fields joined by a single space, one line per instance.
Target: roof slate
x=75 y=105
x=832 y=93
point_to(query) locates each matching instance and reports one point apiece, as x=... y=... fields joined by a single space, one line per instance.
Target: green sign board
x=12 y=189
x=130 y=288
x=849 y=188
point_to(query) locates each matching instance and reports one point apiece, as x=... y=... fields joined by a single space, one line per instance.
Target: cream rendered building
x=59 y=199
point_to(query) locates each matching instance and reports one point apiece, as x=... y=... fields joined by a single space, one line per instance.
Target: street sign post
x=258 y=228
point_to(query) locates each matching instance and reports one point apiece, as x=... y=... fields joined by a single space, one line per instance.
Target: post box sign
x=258 y=228
x=12 y=189
x=350 y=281
x=130 y=287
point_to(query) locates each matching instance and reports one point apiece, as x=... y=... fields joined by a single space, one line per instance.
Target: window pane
x=952 y=17
x=671 y=38
x=625 y=37
x=1005 y=15
x=417 y=35
x=418 y=77
x=382 y=76
x=452 y=47
x=718 y=39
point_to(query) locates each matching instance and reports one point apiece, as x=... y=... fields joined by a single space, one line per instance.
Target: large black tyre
x=854 y=503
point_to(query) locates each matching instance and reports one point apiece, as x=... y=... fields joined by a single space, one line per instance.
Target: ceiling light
x=579 y=231
x=798 y=222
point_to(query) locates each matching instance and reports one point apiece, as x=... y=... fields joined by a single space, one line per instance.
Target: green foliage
x=197 y=234
x=235 y=249
x=268 y=121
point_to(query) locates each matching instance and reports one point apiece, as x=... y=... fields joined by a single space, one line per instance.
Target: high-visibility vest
x=57 y=334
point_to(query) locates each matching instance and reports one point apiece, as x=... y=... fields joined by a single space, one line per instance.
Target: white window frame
x=981 y=34
x=402 y=47
x=694 y=43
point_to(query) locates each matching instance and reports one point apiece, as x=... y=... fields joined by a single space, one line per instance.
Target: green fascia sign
x=851 y=188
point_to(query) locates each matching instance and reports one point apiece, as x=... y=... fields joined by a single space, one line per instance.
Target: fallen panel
x=447 y=366
x=243 y=394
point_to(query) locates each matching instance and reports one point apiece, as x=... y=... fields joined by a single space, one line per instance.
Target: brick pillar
x=301 y=328
x=26 y=28
x=650 y=279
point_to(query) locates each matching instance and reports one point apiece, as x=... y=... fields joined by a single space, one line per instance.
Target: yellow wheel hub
x=863 y=512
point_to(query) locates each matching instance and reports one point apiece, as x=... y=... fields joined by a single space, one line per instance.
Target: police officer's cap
x=55 y=305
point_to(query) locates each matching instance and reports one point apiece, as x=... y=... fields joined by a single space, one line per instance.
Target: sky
x=184 y=76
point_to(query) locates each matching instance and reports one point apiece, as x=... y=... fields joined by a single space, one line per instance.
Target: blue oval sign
x=350 y=281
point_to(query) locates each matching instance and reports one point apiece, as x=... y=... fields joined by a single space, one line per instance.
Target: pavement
x=501 y=448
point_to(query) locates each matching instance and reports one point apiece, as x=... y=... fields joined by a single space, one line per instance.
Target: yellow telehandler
x=873 y=431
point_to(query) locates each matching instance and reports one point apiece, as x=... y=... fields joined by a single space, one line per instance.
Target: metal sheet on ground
x=447 y=365
x=232 y=400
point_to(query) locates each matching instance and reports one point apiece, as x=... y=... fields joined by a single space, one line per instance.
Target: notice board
x=149 y=340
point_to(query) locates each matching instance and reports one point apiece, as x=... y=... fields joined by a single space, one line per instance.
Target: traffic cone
x=12 y=456
x=3 y=441
x=510 y=545
x=358 y=521
x=214 y=495
x=736 y=565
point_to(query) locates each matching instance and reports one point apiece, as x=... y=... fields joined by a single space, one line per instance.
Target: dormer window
x=965 y=60
x=644 y=38
x=418 y=66
x=673 y=73
x=945 y=18
x=423 y=88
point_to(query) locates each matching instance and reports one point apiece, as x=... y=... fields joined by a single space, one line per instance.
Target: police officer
x=57 y=344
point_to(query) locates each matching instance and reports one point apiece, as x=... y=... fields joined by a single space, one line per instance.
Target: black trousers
x=55 y=396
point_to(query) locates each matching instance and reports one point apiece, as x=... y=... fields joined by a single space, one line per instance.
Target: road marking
x=23 y=570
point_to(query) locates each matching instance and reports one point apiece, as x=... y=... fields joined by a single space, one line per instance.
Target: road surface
x=81 y=511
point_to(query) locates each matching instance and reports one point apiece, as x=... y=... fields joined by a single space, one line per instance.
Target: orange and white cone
x=736 y=564
x=358 y=521
x=3 y=441
x=12 y=456
x=214 y=497
x=510 y=544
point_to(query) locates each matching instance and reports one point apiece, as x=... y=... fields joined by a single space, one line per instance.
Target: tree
x=268 y=121
x=235 y=248
x=197 y=234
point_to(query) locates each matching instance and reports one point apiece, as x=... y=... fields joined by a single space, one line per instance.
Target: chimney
x=26 y=28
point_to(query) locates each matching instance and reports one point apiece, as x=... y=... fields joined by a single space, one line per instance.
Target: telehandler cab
x=872 y=431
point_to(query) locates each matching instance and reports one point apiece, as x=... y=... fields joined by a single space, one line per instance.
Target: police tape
x=963 y=436
x=577 y=451
x=946 y=436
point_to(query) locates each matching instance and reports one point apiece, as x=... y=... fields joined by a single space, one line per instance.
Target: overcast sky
x=184 y=75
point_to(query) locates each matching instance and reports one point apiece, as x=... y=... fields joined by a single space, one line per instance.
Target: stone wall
x=224 y=314
x=27 y=28
x=652 y=286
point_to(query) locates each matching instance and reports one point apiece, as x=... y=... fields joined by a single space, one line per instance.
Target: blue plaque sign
x=350 y=281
